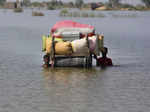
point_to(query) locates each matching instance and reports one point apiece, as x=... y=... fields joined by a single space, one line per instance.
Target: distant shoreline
x=78 y=4
x=88 y=9
x=118 y=9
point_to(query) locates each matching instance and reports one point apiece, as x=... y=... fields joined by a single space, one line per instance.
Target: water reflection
x=78 y=89
x=71 y=88
x=65 y=75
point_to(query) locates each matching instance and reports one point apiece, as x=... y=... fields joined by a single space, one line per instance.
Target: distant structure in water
x=11 y=4
x=132 y=2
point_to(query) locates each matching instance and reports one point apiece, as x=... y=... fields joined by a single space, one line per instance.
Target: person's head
x=104 y=51
x=46 y=58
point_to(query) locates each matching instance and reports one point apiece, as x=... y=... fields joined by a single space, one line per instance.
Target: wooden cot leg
x=53 y=52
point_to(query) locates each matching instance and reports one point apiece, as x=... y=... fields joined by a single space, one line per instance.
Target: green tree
x=114 y=3
x=146 y=2
x=26 y=2
x=54 y=2
x=79 y=3
x=2 y=2
x=36 y=4
x=71 y=4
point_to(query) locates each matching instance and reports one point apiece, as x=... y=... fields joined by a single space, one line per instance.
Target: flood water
x=26 y=87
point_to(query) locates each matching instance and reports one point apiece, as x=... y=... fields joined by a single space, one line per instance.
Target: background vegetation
x=82 y=4
x=146 y=2
x=2 y=2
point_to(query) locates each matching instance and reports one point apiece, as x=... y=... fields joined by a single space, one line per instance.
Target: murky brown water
x=26 y=87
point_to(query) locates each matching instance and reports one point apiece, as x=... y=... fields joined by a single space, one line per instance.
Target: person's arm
x=110 y=62
x=95 y=56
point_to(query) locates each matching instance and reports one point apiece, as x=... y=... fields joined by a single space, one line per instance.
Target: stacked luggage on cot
x=71 y=44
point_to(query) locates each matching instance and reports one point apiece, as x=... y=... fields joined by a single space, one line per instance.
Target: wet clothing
x=104 y=62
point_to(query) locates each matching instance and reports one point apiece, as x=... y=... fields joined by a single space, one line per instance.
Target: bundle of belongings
x=85 y=40
x=78 y=47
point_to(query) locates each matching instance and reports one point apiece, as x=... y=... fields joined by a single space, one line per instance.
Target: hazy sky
x=126 y=1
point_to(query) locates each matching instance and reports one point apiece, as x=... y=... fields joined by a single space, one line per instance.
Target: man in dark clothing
x=104 y=60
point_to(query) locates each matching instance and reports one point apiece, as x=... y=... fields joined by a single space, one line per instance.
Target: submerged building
x=11 y=4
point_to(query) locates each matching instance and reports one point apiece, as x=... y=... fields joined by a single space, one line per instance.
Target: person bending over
x=104 y=60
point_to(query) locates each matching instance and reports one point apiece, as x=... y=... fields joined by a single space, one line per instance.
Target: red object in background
x=70 y=24
x=104 y=62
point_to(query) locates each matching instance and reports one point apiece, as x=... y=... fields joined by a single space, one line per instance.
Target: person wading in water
x=46 y=60
x=104 y=60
